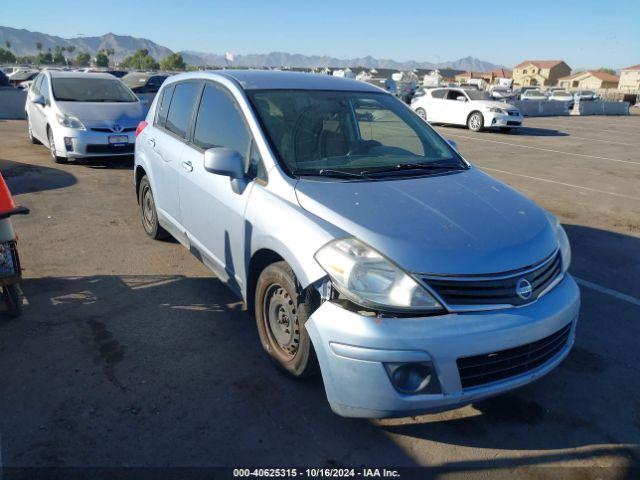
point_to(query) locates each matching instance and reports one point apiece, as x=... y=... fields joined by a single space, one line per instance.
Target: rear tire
x=422 y=113
x=32 y=139
x=475 y=122
x=52 y=148
x=282 y=308
x=148 y=212
x=13 y=300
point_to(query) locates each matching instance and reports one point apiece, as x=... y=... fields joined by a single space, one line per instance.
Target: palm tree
x=110 y=52
x=8 y=44
x=38 y=46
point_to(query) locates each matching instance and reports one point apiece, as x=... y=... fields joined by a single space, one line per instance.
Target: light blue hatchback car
x=363 y=242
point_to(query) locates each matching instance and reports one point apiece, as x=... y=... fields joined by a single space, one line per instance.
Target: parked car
x=358 y=237
x=502 y=93
x=561 y=96
x=82 y=115
x=4 y=80
x=458 y=106
x=533 y=94
x=144 y=82
x=21 y=75
x=586 y=95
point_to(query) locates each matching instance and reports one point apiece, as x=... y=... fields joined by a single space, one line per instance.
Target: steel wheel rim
x=281 y=321
x=148 y=208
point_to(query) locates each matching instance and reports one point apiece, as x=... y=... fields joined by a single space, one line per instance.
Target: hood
x=461 y=223
x=105 y=114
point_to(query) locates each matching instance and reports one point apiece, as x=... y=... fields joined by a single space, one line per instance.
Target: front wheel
x=32 y=139
x=52 y=148
x=281 y=309
x=475 y=122
x=13 y=299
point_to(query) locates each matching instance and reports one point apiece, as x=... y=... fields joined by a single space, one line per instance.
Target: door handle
x=152 y=142
x=188 y=166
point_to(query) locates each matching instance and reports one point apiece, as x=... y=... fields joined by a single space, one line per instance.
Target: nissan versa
x=363 y=242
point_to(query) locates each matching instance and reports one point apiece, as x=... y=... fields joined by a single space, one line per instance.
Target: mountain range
x=23 y=42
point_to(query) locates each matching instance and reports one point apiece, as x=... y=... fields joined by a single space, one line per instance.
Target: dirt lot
x=130 y=353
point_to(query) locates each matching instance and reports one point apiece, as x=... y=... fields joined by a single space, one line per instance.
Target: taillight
x=140 y=127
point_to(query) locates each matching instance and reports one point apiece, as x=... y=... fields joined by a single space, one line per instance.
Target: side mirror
x=39 y=100
x=453 y=144
x=461 y=98
x=224 y=161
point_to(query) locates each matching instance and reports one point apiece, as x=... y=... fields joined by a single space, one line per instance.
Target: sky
x=586 y=34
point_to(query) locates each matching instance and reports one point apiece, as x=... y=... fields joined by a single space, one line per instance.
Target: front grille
x=499 y=289
x=511 y=122
x=113 y=149
x=110 y=130
x=492 y=367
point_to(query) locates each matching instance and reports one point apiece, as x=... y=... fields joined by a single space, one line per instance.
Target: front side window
x=477 y=95
x=85 y=89
x=322 y=132
x=181 y=108
x=220 y=123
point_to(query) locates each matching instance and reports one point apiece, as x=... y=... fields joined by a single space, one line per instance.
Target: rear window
x=163 y=105
x=438 y=93
x=181 y=108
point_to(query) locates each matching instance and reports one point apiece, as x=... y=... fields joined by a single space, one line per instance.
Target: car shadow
x=516 y=131
x=124 y=162
x=28 y=178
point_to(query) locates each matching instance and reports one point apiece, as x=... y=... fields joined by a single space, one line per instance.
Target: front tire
x=148 y=212
x=475 y=122
x=52 y=148
x=281 y=310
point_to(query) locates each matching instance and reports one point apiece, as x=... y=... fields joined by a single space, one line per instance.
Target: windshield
x=82 y=89
x=476 y=95
x=321 y=132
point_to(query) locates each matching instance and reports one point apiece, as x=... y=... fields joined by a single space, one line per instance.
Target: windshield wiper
x=329 y=172
x=414 y=166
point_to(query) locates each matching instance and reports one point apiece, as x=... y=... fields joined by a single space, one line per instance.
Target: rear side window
x=438 y=93
x=220 y=122
x=163 y=105
x=181 y=108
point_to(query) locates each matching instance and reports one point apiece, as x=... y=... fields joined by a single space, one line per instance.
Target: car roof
x=279 y=80
x=62 y=74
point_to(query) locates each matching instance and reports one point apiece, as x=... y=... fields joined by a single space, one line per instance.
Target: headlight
x=495 y=110
x=69 y=121
x=365 y=277
x=563 y=241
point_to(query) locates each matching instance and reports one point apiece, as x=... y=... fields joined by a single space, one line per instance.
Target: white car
x=561 y=96
x=533 y=95
x=473 y=108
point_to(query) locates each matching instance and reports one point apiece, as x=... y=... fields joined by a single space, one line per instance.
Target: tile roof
x=633 y=67
x=540 y=63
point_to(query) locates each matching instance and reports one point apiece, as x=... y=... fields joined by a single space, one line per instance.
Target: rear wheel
x=148 y=213
x=281 y=309
x=13 y=299
x=32 y=139
x=52 y=148
x=422 y=113
x=475 y=122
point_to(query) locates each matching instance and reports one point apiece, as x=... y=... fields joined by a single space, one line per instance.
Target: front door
x=212 y=209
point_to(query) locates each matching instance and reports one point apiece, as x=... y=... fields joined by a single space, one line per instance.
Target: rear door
x=436 y=105
x=39 y=113
x=166 y=142
x=212 y=211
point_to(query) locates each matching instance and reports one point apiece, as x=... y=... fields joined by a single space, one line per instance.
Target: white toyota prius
x=461 y=106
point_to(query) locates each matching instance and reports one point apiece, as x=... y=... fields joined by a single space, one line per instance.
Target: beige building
x=539 y=72
x=590 y=80
x=630 y=79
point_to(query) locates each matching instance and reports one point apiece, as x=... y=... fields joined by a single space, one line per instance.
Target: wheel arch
x=260 y=260
x=140 y=173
